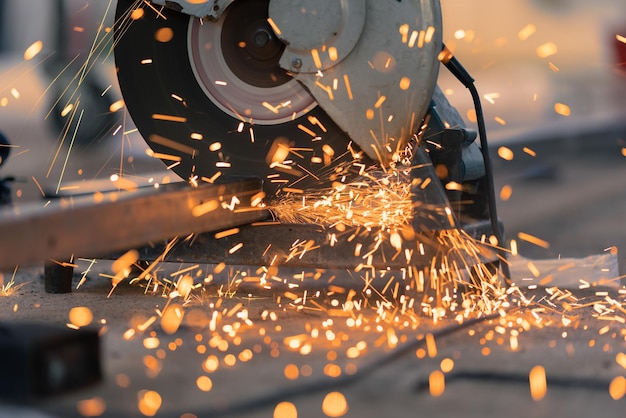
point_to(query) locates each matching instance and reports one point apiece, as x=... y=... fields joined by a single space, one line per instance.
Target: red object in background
x=620 y=52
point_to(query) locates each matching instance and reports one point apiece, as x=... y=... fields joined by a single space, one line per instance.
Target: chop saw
x=279 y=89
x=303 y=94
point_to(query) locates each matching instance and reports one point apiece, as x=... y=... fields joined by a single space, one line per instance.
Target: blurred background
x=552 y=74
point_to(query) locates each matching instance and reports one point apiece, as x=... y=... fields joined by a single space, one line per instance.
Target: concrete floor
x=571 y=194
x=489 y=378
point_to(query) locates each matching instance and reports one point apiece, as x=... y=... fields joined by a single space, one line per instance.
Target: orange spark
x=285 y=410
x=93 y=407
x=562 y=109
x=80 y=316
x=546 y=50
x=526 y=32
x=169 y=118
x=436 y=383
x=149 y=402
x=505 y=153
x=506 y=192
x=335 y=404
x=617 y=388
x=538 y=383
x=32 y=51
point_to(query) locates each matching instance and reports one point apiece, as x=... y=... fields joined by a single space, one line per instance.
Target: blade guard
x=371 y=65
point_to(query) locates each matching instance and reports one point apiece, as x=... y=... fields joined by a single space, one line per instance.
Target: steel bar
x=102 y=223
x=305 y=246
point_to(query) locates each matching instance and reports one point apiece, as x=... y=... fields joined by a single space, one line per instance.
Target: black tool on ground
x=58 y=276
x=40 y=360
x=5 y=190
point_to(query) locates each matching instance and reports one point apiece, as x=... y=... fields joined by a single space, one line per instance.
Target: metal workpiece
x=100 y=223
x=312 y=247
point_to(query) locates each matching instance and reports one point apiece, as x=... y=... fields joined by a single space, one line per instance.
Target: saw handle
x=448 y=59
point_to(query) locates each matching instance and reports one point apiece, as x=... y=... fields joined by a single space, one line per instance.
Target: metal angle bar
x=106 y=222
x=304 y=246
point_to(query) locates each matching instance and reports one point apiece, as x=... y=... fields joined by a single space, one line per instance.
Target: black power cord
x=454 y=66
x=562 y=382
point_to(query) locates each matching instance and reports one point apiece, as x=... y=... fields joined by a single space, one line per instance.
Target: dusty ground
x=388 y=377
x=571 y=195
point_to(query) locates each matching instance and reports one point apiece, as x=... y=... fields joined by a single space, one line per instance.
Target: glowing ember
x=117 y=106
x=538 y=385
x=285 y=410
x=33 y=50
x=169 y=118
x=526 y=32
x=621 y=359
x=93 y=407
x=533 y=240
x=204 y=208
x=204 y=383
x=80 y=316
x=405 y=83
x=172 y=318
x=546 y=50
x=149 y=402
x=562 y=109
x=164 y=34
x=529 y=152
x=137 y=14
x=506 y=192
x=335 y=405
x=446 y=365
x=505 y=153
x=436 y=383
x=617 y=388
x=275 y=27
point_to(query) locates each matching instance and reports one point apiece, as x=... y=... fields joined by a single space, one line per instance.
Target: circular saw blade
x=208 y=115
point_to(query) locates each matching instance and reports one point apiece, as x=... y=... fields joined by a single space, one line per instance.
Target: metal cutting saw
x=302 y=94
